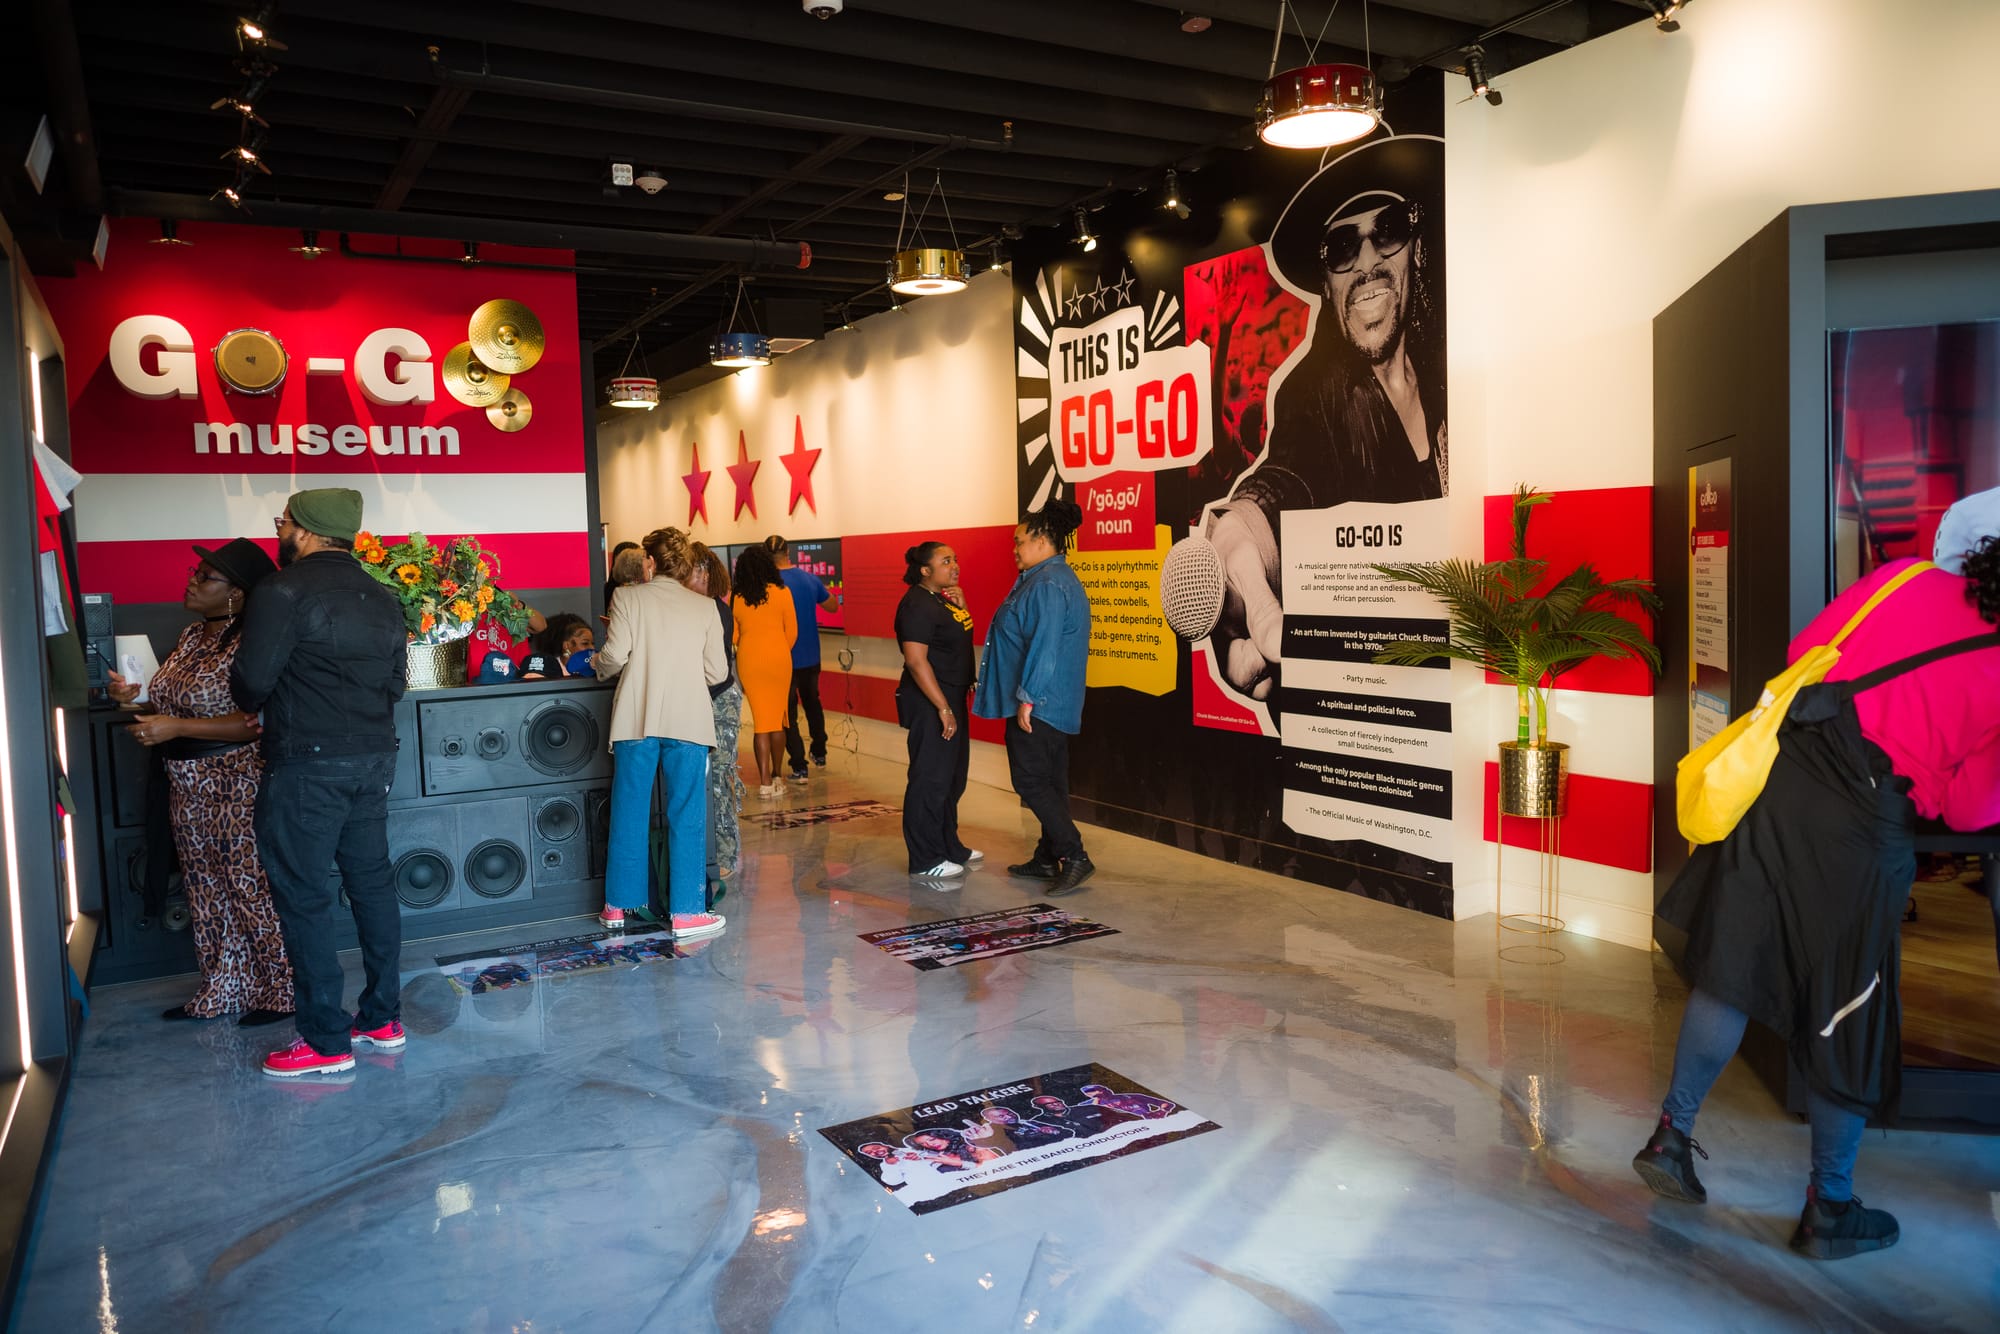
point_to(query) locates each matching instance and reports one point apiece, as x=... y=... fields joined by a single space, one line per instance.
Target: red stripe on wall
x=157 y=571
x=1610 y=821
x=872 y=566
x=875 y=697
x=1611 y=529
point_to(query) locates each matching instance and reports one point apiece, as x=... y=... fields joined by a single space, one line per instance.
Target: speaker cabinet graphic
x=469 y=855
x=569 y=829
x=510 y=739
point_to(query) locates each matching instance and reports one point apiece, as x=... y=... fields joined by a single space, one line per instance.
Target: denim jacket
x=1037 y=648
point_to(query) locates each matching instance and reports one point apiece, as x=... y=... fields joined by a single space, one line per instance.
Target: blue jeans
x=1711 y=1030
x=683 y=767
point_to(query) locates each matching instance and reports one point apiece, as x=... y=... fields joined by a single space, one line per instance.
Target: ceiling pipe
x=747 y=251
x=509 y=85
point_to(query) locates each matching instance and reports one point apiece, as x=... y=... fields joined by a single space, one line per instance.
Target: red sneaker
x=389 y=1037
x=697 y=925
x=301 y=1059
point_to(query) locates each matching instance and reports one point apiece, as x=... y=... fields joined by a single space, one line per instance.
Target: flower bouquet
x=443 y=590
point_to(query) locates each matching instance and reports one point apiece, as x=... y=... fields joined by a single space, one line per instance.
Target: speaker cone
x=559 y=738
x=558 y=820
x=422 y=878
x=495 y=869
x=492 y=744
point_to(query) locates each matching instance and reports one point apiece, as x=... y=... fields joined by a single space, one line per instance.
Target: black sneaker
x=1834 y=1231
x=797 y=775
x=1667 y=1167
x=1075 y=870
x=1035 y=869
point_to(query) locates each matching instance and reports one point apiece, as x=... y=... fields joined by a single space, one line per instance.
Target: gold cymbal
x=470 y=380
x=512 y=413
x=507 y=336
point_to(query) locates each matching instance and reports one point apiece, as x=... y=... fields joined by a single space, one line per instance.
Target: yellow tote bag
x=1716 y=783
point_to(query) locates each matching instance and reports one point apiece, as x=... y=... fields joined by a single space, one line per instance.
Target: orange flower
x=374 y=555
x=463 y=610
x=437 y=557
x=408 y=573
x=485 y=596
x=484 y=568
x=448 y=587
x=426 y=625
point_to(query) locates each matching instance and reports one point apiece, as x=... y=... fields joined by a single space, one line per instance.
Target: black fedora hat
x=1408 y=167
x=240 y=561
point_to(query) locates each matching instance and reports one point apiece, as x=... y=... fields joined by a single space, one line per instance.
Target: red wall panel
x=873 y=566
x=1610 y=821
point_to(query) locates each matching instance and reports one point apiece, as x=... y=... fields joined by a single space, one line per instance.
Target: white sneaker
x=777 y=787
x=765 y=791
x=974 y=855
x=943 y=871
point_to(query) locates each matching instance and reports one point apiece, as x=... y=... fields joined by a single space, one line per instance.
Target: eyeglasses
x=201 y=574
x=279 y=521
x=1395 y=226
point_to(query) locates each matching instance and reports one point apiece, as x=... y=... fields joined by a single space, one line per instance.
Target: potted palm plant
x=1500 y=623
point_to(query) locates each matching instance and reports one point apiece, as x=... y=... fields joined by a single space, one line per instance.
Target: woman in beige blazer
x=664 y=647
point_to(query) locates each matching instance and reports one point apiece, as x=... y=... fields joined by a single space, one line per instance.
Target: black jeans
x=314 y=815
x=937 y=780
x=805 y=686
x=1038 y=762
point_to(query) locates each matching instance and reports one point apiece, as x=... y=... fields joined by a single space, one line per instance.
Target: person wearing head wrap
x=1792 y=920
x=213 y=773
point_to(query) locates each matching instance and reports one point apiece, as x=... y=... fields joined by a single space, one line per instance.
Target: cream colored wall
x=1614 y=177
x=914 y=410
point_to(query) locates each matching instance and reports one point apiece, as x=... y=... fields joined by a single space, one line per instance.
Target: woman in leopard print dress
x=213 y=770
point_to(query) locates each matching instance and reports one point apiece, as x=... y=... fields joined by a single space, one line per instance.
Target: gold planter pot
x=435 y=666
x=1534 y=780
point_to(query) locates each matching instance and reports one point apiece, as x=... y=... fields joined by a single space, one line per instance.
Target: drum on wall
x=250 y=361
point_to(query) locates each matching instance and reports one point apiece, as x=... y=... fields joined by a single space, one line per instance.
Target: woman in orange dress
x=766 y=625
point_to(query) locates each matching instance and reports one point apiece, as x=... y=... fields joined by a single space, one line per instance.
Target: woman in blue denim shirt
x=1032 y=675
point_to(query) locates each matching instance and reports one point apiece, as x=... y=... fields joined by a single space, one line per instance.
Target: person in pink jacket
x=1794 y=919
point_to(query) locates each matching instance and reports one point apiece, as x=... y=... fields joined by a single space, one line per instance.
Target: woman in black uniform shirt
x=935 y=632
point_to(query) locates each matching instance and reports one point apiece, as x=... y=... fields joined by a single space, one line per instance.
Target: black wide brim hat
x=240 y=561
x=1410 y=165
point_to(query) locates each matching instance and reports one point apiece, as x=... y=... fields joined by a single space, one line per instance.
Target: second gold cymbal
x=470 y=380
x=507 y=336
x=512 y=413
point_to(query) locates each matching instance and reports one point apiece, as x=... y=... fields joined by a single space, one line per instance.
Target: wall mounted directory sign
x=1710 y=505
x=987 y=1140
x=988 y=935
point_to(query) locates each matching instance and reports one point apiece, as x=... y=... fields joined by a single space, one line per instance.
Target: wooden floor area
x=1951 y=981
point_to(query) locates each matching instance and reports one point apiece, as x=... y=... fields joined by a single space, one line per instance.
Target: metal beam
x=439 y=113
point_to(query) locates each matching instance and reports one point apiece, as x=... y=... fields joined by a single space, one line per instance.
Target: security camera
x=822 y=9
x=650 y=180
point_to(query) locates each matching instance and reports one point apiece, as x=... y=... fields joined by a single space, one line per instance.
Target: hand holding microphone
x=1225 y=586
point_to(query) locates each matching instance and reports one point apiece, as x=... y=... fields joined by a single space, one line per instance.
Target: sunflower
x=408 y=573
x=463 y=609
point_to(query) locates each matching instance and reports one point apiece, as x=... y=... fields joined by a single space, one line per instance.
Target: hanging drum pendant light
x=1315 y=105
x=927 y=270
x=737 y=349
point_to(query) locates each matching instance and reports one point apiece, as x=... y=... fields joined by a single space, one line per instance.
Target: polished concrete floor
x=1414 y=1136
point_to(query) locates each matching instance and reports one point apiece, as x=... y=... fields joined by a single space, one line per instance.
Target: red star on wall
x=799 y=463
x=697 y=485
x=743 y=472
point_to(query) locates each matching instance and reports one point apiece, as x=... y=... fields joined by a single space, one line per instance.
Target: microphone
x=1192 y=583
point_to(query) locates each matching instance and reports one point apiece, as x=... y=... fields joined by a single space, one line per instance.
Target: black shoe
x=259 y=1018
x=1035 y=869
x=820 y=761
x=1834 y=1231
x=797 y=775
x=1075 y=870
x=1668 y=1168
x=181 y=1012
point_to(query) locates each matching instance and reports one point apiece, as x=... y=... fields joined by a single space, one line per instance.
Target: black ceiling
x=1102 y=95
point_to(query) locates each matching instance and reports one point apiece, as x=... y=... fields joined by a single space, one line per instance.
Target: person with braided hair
x=1793 y=919
x=1037 y=650
x=665 y=648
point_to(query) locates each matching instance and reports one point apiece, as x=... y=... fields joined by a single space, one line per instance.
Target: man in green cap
x=321 y=657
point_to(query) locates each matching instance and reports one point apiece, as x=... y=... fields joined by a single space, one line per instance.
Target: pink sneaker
x=613 y=919
x=389 y=1037
x=695 y=925
x=301 y=1059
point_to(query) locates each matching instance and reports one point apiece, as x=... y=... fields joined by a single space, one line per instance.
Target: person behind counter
x=708 y=576
x=766 y=625
x=551 y=653
x=1036 y=652
x=323 y=657
x=213 y=772
x=934 y=631
x=1792 y=920
x=665 y=649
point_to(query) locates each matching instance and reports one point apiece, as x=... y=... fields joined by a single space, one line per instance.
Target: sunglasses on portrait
x=1390 y=230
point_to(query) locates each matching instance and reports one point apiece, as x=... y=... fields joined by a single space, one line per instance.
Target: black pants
x=937 y=780
x=1038 y=762
x=805 y=686
x=314 y=815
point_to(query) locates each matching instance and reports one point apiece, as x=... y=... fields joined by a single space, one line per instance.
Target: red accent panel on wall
x=1610 y=528
x=1610 y=821
x=157 y=571
x=873 y=566
x=875 y=697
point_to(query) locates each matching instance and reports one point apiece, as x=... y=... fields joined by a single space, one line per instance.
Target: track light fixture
x=247 y=154
x=170 y=234
x=1475 y=74
x=1172 y=201
x=1663 y=14
x=254 y=32
x=995 y=261
x=471 y=255
x=1084 y=236
x=311 y=248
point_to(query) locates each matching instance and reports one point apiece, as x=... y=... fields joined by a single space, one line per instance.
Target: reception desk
x=498 y=815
